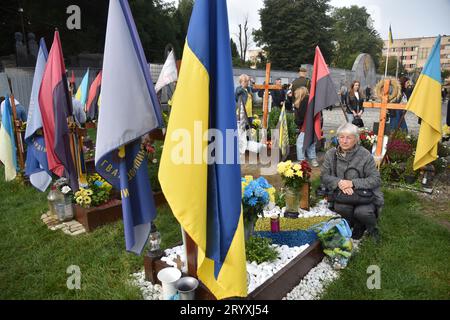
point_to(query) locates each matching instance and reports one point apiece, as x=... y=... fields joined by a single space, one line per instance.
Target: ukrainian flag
x=206 y=198
x=391 y=40
x=82 y=92
x=7 y=143
x=425 y=102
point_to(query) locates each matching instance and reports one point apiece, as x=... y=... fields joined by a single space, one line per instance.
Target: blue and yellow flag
x=425 y=102
x=283 y=142
x=7 y=143
x=206 y=198
x=391 y=40
x=83 y=89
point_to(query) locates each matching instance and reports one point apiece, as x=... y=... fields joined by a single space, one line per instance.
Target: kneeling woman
x=349 y=167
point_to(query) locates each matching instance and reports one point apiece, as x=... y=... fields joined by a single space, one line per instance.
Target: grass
x=413 y=256
x=34 y=259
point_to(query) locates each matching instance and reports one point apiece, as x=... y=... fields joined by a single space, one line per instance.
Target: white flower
x=66 y=189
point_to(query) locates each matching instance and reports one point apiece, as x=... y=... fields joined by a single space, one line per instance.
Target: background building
x=413 y=52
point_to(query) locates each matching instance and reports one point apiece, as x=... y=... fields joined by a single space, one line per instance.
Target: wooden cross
x=384 y=106
x=266 y=88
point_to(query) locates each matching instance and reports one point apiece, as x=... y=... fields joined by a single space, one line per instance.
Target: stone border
x=72 y=227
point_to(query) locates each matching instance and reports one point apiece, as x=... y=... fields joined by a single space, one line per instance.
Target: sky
x=409 y=18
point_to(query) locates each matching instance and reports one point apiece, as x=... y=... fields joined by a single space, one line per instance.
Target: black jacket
x=301 y=112
x=354 y=103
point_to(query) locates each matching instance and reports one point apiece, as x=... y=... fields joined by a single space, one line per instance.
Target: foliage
x=292 y=129
x=97 y=192
x=399 y=150
x=260 y=250
x=151 y=17
x=256 y=194
x=290 y=31
x=294 y=175
x=392 y=66
x=279 y=199
x=390 y=172
x=105 y=264
x=404 y=226
x=274 y=117
x=154 y=157
x=234 y=49
x=409 y=170
x=354 y=35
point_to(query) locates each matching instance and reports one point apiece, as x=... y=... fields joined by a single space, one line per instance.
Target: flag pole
x=387 y=58
x=16 y=127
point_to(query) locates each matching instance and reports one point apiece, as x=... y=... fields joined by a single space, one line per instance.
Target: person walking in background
x=301 y=96
x=368 y=93
x=278 y=96
x=301 y=81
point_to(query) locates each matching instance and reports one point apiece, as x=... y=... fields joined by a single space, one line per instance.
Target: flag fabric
x=283 y=140
x=168 y=73
x=36 y=165
x=131 y=109
x=425 y=102
x=391 y=40
x=55 y=105
x=206 y=198
x=82 y=92
x=94 y=94
x=7 y=143
x=323 y=94
x=72 y=78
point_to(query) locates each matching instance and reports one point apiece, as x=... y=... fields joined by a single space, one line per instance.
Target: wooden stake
x=18 y=134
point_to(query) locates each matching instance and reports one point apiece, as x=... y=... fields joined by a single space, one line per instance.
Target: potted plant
x=409 y=175
x=294 y=176
x=256 y=194
x=96 y=204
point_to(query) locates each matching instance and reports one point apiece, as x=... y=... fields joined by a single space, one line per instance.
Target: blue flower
x=262 y=182
x=252 y=201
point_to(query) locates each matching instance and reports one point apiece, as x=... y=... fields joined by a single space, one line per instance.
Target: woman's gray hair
x=349 y=128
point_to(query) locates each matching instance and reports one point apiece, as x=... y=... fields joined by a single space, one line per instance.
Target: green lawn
x=414 y=257
x=34 y=259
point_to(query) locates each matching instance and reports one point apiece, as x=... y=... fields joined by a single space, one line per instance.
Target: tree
x=181 y=18
x=243 y=39
x=234 y=50
x=392 y=66
x=353 y=34
x=155 y=21
x=291 y=29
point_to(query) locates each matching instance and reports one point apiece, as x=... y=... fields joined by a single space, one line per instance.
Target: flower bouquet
x=96 y=193
x=294 y=176
x=367 y=138
x=256 y=194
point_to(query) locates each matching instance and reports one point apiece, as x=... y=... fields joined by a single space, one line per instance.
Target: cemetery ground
x=413 y=255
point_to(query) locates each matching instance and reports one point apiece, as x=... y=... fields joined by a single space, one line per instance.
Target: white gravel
x=311 y=287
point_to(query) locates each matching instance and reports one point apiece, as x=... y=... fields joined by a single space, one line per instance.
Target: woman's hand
x=348 y=191
x=345 y=184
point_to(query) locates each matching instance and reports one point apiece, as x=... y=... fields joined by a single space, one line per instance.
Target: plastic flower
x=289 y=173
x=87 y=200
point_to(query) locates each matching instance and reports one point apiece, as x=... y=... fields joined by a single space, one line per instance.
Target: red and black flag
x=94 y=93
x=56 y=106
x=323 y=94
